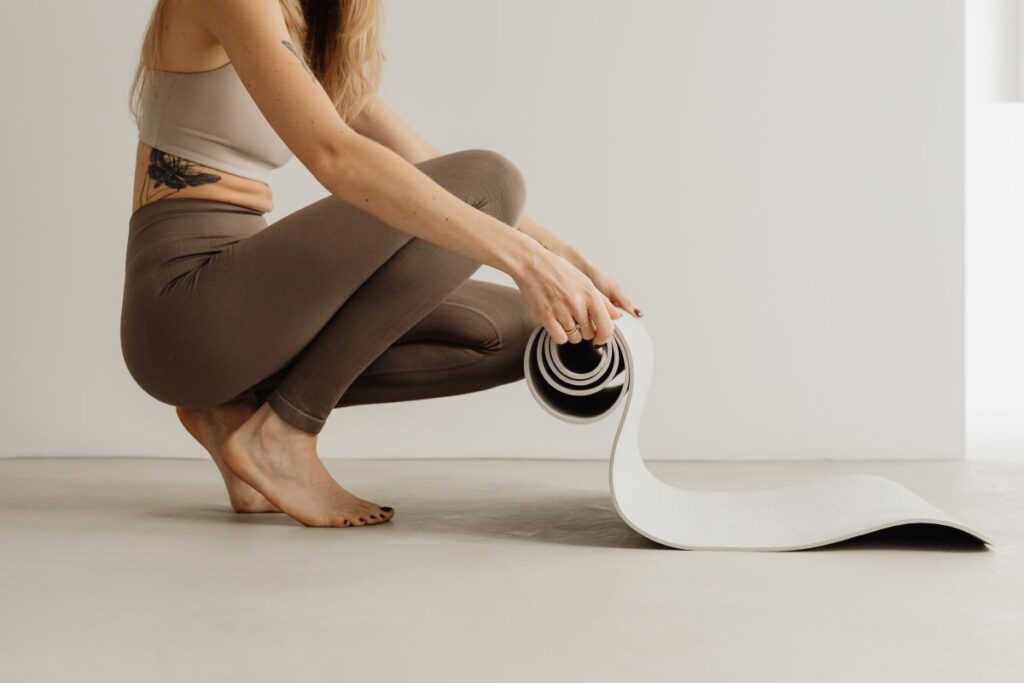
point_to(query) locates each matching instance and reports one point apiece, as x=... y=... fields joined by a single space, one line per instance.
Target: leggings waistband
x=162 y=208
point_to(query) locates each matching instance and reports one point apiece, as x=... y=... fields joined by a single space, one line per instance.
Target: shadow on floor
x=577 y=519
x=591 y=520
x=571 y=519
x=559 y=517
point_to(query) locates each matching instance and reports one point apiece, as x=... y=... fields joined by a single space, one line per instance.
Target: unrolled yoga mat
x=580 y=383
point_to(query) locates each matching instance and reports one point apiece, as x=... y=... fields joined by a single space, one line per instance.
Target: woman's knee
x=506 y=183
x=497 y=183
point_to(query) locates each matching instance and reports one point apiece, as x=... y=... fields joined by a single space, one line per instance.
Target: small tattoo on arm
x=294 y=51
x=173 y=173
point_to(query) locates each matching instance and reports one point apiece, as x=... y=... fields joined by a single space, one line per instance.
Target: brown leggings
x=325 y=308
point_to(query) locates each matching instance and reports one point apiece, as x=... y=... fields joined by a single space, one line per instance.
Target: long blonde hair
x=341 y=41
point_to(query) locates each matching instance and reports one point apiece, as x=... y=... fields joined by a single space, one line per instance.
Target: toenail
x=387 y=509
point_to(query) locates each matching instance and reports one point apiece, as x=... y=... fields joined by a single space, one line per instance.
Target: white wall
x=995 y=216
x=993 y=51
x=778 y=184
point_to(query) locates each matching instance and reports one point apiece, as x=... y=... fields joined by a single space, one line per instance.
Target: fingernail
x=638 y=312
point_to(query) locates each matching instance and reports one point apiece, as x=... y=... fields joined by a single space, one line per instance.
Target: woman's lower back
x=159 y=175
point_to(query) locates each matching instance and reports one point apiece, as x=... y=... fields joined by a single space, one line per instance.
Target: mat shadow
x=915 y=536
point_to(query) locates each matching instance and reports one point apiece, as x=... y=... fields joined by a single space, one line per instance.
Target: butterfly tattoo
x=174 y=174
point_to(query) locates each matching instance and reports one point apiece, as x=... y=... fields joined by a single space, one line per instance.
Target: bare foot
x=280 y=461
x=211 y=427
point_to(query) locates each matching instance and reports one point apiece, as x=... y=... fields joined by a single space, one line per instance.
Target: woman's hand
x=605 y=284
x=608 y=286
x=560 y=295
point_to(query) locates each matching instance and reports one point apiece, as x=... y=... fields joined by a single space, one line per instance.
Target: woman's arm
x=367 y=174
x=351 y=166
x=379 y=122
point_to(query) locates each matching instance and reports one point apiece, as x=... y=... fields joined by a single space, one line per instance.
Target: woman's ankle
x=272 y=426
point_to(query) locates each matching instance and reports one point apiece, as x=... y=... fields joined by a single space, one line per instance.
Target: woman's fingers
x=581 y=313
x=618 y=296
x=569 y=320
x=603 y=326
x=612 y=309
x=555 y=329
x=573 y=321
x=597 y=310
x=613 y=292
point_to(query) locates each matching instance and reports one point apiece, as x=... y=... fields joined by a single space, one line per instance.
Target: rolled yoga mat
x=581 y=383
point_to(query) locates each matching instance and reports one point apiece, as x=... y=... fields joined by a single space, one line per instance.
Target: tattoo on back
x=291 y=48
x=173 y=174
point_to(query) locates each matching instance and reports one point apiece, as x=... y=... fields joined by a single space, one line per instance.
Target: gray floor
x=134 y=570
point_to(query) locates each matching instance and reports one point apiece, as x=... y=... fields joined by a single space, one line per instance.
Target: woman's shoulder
x=185 y=44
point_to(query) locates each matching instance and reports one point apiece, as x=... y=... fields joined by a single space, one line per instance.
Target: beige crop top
x=210 y=118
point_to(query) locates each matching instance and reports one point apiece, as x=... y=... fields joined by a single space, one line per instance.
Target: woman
x=255 y=331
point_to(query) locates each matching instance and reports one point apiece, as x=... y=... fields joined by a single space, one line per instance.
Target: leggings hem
x=293 y=415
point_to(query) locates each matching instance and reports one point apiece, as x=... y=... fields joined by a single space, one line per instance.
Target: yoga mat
x=580 y=383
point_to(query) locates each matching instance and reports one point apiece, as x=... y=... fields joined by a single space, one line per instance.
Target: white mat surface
x=578 y=383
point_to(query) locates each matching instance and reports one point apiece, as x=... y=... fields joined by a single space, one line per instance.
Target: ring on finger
x=576 y=328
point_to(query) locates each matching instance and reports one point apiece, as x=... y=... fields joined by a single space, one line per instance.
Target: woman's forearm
x=379 y=181
x=550 y=240
x=380 y=123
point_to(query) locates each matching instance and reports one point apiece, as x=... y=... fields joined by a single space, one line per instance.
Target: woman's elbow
x=334 y=162
x=327 y=167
